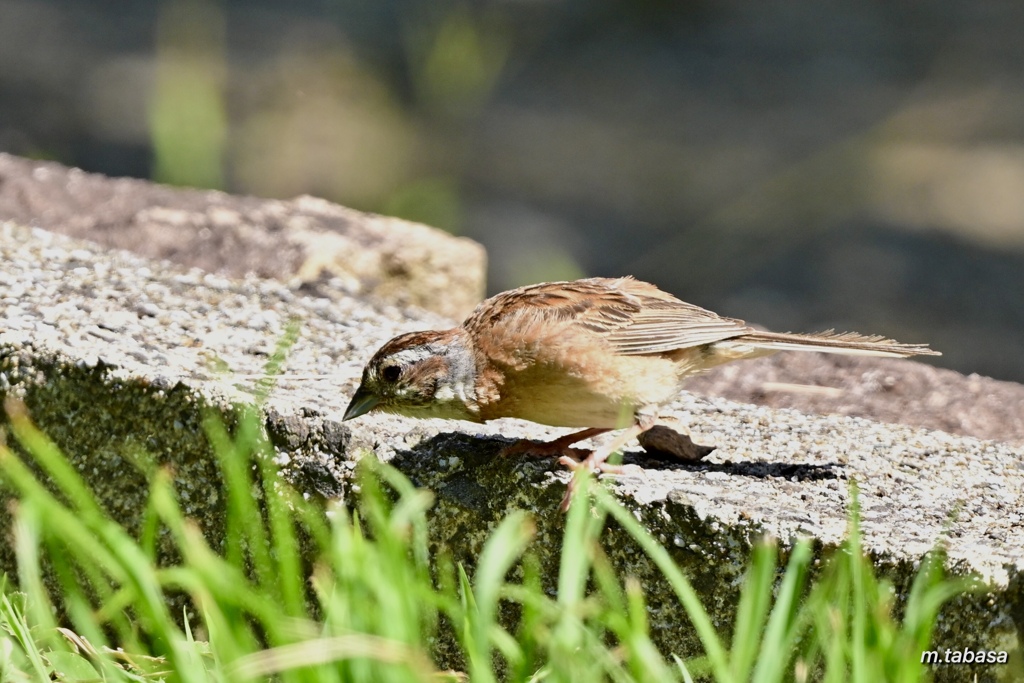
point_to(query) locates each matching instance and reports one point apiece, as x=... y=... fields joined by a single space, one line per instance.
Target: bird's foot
x=578 y=459
x=590 y=463
x=596 y=461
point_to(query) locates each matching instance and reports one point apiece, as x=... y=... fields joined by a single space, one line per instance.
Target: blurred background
x=801 y=164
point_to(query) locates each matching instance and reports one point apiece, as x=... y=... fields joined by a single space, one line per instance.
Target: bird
x=596 y=354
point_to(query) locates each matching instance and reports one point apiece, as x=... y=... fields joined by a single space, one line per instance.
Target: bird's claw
x=596 y=462
x=591 y=465
x=576 y=460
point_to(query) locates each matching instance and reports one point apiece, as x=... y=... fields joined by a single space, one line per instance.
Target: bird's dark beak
x=362 y=403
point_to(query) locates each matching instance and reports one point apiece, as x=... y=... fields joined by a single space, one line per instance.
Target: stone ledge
x=306 y=242
x=114 y=353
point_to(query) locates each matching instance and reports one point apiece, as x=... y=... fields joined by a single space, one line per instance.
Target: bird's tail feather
x=849 y=343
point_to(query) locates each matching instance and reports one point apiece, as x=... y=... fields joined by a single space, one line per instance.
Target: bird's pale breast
x=566 y=376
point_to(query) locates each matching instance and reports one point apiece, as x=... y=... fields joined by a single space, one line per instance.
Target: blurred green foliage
x=455 y=62
x=434 y=201
x=188 y=121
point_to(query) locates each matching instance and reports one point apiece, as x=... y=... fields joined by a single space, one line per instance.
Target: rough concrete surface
x=307 y=242
x=114 y=353
x=883 y=389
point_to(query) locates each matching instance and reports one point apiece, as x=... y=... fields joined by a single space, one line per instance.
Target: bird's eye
x=391 y=373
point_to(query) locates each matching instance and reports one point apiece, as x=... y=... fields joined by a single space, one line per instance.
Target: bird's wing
x=635 y=317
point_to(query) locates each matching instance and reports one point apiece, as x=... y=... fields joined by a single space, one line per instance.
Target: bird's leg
x=558 y=447
x=597 y=461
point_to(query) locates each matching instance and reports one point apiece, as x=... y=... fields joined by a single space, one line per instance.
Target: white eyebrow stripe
x=411 y=356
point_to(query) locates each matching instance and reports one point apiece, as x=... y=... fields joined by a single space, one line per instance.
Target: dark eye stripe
x=391 y=373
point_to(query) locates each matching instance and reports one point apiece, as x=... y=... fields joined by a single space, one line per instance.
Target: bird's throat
x=454 y=394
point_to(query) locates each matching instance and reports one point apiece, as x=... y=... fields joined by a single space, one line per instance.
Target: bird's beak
x=362 y=403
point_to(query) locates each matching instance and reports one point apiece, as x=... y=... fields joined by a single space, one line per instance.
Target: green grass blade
x=53 y=462
x=713 y=647
x=755 y=599
x=785 y=623
x=14 y=621
x=500 y=552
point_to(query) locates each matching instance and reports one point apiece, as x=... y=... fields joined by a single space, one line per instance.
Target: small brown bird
x=597 y=354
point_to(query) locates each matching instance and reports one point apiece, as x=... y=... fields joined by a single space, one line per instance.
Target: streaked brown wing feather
x=635 y=317
x=683 y=332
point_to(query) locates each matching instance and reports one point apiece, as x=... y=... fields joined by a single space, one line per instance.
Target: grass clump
x=370 y=605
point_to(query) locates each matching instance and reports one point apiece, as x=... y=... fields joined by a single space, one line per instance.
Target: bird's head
x=419 y=374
